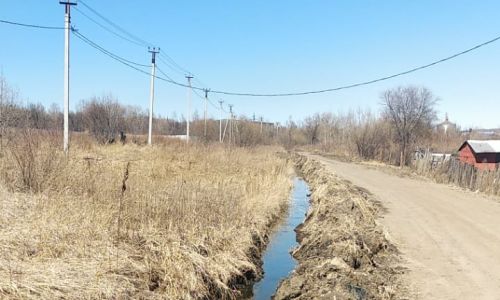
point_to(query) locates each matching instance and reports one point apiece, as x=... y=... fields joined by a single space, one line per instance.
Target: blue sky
x=265 y=46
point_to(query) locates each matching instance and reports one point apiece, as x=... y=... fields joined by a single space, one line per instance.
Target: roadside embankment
x=343 y=252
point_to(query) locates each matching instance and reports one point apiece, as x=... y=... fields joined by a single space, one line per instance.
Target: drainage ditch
x=278 y=262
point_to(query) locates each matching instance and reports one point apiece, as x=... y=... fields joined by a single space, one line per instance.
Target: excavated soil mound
x=343 y=252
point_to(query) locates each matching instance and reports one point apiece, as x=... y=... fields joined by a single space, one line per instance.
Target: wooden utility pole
x=67 y=28
x=153 y=52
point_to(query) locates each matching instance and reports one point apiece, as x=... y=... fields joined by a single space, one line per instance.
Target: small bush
x=33 y=159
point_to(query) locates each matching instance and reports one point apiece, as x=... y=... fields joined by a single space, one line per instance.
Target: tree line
x=405 y=121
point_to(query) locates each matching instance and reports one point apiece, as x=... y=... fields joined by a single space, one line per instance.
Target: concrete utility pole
x=230 y=123
x=67 y=27
x=205 y=114
x=153 y=52
x=220 y=121
x=188 y=77
x=261 y=125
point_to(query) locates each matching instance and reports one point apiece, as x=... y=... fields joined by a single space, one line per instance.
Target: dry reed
x=179 y=223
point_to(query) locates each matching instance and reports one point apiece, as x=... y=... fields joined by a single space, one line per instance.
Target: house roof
x=487 y=146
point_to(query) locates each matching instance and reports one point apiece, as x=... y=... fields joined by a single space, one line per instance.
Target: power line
x=117 y=27
x=248 y=94
x=108 y=29
x=173 y=63
x=361 y=83
x=113 y=56
x=209 y=101
x=171 y=67
x=165 y=58
x=95 y=45
x=164 y=74
x=30 y=25
x=340 y=87
x=213 y=105
x=125 y=62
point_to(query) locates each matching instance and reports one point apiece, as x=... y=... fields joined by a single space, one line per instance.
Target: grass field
x=125 y=221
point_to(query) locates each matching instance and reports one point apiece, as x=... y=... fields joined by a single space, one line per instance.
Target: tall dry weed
x=32 y=159
x=179 y=223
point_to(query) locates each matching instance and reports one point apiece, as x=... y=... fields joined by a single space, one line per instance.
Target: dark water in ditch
x=278 y=262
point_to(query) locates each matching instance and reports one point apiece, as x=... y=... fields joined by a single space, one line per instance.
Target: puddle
x=278 y=262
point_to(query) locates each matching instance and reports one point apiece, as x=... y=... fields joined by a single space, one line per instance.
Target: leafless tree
x=104 y=118
x=311 y=127
x=411 y=112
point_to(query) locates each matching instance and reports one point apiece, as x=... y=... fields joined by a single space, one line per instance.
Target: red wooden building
x=484 y=155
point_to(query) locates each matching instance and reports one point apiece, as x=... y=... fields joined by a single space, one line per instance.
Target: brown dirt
x=448 y=237
x=343 y=252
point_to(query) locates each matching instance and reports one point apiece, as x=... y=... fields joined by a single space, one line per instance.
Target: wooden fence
x=453 y=171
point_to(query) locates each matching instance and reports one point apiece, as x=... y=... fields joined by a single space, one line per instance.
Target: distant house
x=484 y=155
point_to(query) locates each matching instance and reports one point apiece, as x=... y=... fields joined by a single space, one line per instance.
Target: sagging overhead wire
x=249 y=94
x=169 y=65
x=176 y=67
x=285 y=94
x=362 y=83
x=124 y=61
x=209 y=101
x=108 y=29
x=163 y=57
x=31 y=25
x=114 y=25
x=163 y=73
x=345 y=86
x=102 y=49
x=194 y=90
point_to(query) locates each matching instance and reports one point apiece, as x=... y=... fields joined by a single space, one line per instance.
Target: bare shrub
x=370 y=135
x=32 y=160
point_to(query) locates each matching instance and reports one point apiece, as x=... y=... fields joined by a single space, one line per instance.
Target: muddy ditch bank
x=278 y=262
x=343 y=252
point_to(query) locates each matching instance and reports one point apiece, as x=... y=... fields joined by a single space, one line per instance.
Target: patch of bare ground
x=376 y=165
x=343 y=252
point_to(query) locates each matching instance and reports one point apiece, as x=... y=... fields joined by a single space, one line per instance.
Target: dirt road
x=449 y=238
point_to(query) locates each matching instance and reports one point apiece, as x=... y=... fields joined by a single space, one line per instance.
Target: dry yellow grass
x=184 y=226
x=344 y=253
